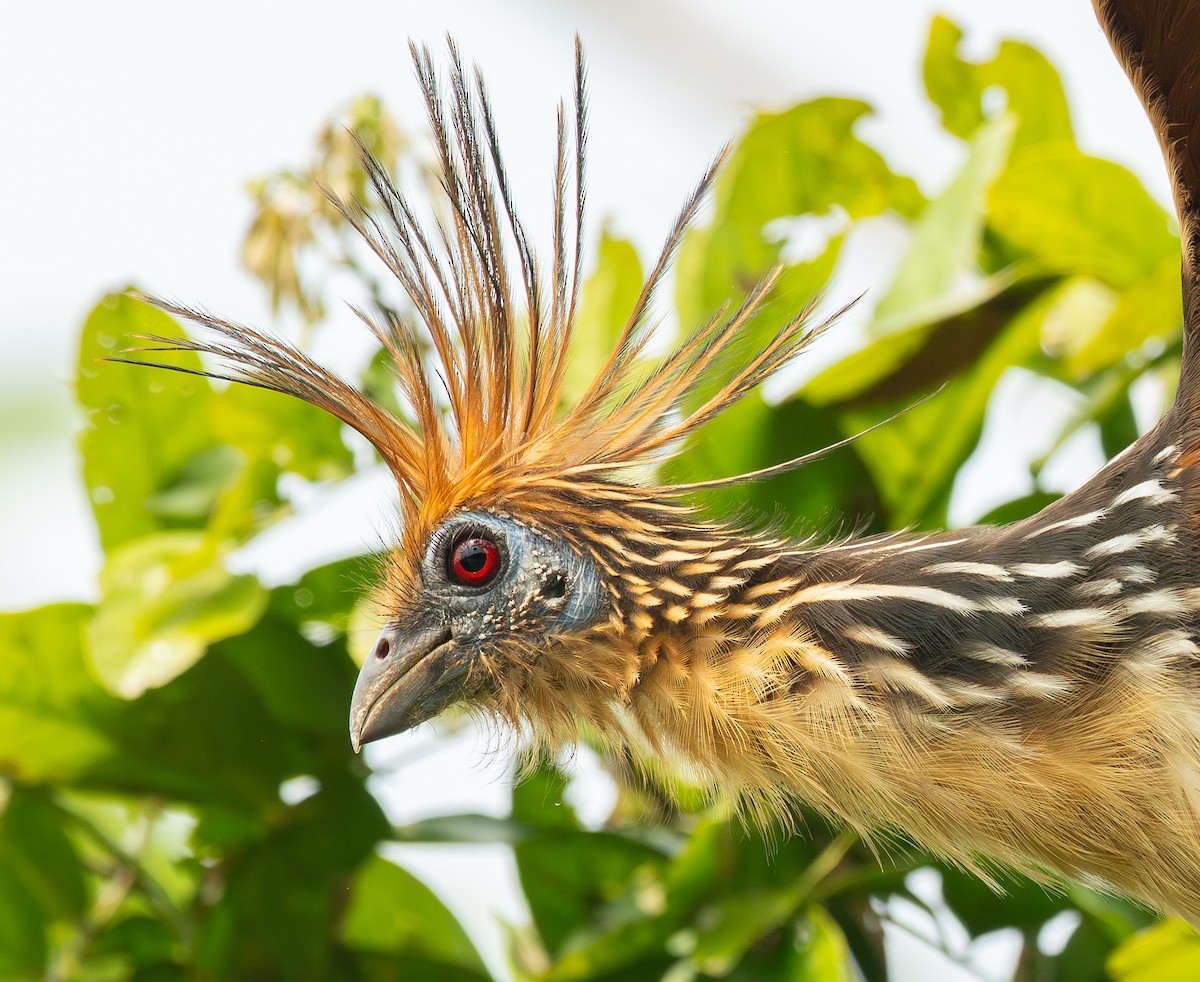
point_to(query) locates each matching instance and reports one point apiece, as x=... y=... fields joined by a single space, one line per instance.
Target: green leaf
x=293 y=435
x=570 y=877
x=144 y=425
x=753 y=435
x=1018 y=508
x=1082 y=958
x=282 y=896
x=540 y=800
x=913 y=459
x=205 y=458
x=326 y=595
x=210 y=737
x=607 y=300
x=467 y=828
x=1077 y=214
x=302 y=686
x=165 y=599
x=35 y=849
x=1033 y=91
x=393 y=912
x=1167 y=952
x=910 y=362
x=1024 y=904
x=23 y=947
x=821 y=949
x=946 y=235
x=49 y=704
x=804 y=161
x=140 y=940
x=730 y=926
x=1151 y=309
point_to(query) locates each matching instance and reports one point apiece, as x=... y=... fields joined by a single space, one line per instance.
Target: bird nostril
x=382 y=648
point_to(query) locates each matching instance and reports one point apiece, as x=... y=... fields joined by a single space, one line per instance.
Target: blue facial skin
x=543 y=584
x=422 y=661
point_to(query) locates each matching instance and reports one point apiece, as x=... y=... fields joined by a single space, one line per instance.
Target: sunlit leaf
x=821 y=950
x=392 y=911
x=961 y=89
x=48 y=701
x=913 y=361
x=1167 y=952
x=804 y=161
x=606 y=302
x=165 y=598
x=913 y=459
x=946 y=236
x=1079 y=214
x=1149 y=309
x=290 y=433
x=144 y=427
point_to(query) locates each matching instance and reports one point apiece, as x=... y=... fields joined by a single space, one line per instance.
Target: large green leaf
x=1078 y=214
x=753 y=435
x=303 y=687
x=820 y=950
x=568 y=874
x=961 y=89
x=282 y=896
x=144 y=427
x=35 y=848
x=1150 y=309
x=1167 y=952
x=607 y=300
x=910 y=363
x=164 y=599
x=205 y=458
x=946 y=236
x=50 y=707
x=23 y=931
x=804 y=161
x=392 y=912
x=913 y=459
x=571 y=879
x=1024 y=904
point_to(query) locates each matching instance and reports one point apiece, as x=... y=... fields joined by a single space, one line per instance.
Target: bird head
x=474 y=601
x=527 y=576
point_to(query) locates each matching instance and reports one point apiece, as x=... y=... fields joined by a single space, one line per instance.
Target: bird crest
x=482 y=361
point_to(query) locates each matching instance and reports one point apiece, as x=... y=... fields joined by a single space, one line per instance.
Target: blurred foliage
x=179 y=799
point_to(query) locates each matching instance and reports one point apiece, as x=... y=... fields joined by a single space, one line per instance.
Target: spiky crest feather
x=483 y=376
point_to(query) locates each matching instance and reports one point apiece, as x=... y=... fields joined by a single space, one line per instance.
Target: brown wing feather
x=1158 y=43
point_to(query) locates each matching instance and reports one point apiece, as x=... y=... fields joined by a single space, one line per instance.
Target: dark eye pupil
x=472 y=558
x=474 y=561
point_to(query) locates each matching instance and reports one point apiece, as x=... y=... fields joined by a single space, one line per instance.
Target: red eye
x=474 y=561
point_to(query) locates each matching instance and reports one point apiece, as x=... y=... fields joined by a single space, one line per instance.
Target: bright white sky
x=131 y=129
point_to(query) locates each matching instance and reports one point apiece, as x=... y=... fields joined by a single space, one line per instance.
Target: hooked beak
x=408 y=678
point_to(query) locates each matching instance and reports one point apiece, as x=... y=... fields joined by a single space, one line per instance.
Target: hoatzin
x=1028 y=694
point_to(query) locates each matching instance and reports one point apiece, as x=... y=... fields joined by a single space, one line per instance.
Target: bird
x=1026 y=695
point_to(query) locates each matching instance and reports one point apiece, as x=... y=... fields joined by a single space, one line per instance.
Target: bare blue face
x=487 y=580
